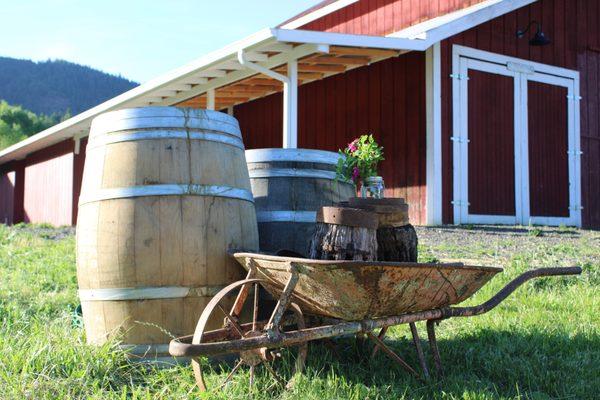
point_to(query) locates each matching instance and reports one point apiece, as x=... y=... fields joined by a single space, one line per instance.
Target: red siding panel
x=7 y=194
x=386 y=99
x=548 y=147
x=46 y=186
x=491 y=147
x=574 y=30
x=49 y=191
x=382 y=17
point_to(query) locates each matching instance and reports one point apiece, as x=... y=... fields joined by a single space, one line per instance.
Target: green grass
x=543 y=342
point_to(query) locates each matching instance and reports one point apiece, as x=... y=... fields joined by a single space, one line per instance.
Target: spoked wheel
x=243 y=320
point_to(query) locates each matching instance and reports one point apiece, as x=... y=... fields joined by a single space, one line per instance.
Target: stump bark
x=344 y=234
x=397 y=244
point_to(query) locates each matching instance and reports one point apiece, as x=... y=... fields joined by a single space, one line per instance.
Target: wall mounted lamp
x=539 y=39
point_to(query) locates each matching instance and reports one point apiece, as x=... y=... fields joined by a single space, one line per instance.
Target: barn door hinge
x=575 y=208
x=459 y=77
x=574 y=152
x=460 y=203
x=571 y=97
x=459 y=139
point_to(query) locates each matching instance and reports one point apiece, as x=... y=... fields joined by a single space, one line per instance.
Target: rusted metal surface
x=353 y=291
x=380 y=344
x=381 y=335
x=508 y=289
x=235 y=328
x=282 y=303
x=419 y=349
x=183 y=349
x=434 y=348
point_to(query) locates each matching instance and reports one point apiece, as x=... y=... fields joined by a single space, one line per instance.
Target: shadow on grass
x=488 y=364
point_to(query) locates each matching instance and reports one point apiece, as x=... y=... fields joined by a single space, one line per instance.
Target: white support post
x=433 y=85
x=230 y=110
x=77 y=148
x=210 y=99
x=290 y=107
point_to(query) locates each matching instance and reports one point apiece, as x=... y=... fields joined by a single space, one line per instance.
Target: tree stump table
x=396 y=237
x=343 y=233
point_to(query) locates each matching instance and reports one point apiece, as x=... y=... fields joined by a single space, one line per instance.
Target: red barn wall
x=7 y=193
x=382 y=17
x=48 y=185
x=48 y=191
x=573 y=27
x=386 y=99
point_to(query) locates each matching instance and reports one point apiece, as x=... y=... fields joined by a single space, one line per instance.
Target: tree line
x=17 y=123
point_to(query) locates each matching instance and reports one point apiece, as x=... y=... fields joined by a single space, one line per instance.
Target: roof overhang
x=319 y=54
x=448 y=25
x=269 y=48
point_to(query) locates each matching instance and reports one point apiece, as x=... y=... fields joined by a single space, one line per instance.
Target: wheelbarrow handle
x=507 y=290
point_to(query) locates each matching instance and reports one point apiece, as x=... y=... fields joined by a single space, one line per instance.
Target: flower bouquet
x=358 y=163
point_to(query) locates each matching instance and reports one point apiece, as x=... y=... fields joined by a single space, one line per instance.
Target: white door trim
x=523 y=71
x=461 y=141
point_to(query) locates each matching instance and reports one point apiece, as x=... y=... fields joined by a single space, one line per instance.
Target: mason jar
x=373 y=186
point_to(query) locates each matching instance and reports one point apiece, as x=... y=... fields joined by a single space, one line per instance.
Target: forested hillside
x=50 y=87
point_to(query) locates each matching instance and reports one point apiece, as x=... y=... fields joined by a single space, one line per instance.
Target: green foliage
x=543 y=342
x=17 y=123
x=359 y=160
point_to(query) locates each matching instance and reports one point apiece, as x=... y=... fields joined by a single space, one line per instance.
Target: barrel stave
x=289 y=186
x=165 y=194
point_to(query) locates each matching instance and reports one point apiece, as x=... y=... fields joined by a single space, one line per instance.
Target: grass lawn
x=543 y=342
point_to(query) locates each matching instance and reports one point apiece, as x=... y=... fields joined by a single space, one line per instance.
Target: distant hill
x=55 y=87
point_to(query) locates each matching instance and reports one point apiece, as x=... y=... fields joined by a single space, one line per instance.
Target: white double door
x=516 y=145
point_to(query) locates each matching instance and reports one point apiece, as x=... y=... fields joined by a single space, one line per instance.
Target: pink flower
x=352 y=146
x=355 y=174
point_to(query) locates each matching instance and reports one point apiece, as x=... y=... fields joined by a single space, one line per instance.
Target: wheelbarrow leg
x=381 y=335
x=434 y=347
x=393 y=355
x=417 y=342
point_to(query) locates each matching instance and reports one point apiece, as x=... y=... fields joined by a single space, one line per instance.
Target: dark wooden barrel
x=289 y=187
x=165 y=195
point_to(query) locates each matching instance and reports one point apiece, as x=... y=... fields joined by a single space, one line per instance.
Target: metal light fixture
x=539 y=39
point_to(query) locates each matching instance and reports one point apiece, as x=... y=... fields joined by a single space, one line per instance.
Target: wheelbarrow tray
x=356 y=290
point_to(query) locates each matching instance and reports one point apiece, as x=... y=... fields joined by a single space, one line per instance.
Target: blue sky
x=137 y=39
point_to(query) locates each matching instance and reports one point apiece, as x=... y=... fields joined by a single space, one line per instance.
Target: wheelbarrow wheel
x=242 y=320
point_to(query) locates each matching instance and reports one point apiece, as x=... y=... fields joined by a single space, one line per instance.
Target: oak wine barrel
x=289 y=187
x=165 y=195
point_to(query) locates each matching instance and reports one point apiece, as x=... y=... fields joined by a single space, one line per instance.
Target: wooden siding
x=548 y=150
x=382 y=17
x=386 y=99
x=491 y=174
x=7 y=193
x=575 y=33
x=48 y=185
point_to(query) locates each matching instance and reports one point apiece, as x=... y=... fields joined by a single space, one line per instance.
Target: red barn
x=479 y=124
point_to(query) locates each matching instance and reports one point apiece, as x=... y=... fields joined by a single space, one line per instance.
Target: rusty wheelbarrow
x=316 y=299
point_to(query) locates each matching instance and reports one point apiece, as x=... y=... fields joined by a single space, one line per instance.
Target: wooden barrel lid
x=348 y=217
x=391 y=212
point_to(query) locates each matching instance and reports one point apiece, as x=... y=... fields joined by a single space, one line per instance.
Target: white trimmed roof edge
x=416 y=38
